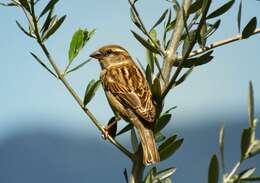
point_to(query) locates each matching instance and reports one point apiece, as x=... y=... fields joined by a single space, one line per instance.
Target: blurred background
x=44 y=135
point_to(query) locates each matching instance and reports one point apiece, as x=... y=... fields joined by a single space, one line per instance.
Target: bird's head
x=111 y=55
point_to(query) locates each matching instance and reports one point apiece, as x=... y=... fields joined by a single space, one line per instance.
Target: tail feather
x=150 y=151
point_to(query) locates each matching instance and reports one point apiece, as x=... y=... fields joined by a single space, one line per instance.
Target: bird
x=129 y=95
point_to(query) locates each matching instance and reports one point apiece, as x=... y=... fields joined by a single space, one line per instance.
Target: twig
x=137 y=168
x=170 y=57
x=232 y=173
x=145 y=31
x=72 y=91
x=215 y=45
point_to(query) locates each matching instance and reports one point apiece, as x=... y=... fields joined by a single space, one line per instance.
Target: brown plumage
x=129 y=95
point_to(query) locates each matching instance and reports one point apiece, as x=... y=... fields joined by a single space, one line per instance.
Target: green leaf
x=246 y=173
x=255 y=148
x=25 y=4
x=187 y=41
x=162 y=17
x=112 y=129
x=221 y=145
x=165 y=173
x=47 y=22
x=150 y=176
x=250 y=28
x=212 y=28
x=170 y=109
x=245 y=142
x=125 y=175
x=221 y=10
x=145 y=43
x=150 y=59
x=44 y=66
x=184 y=76
x=251 y=179
x=54 y=28
x=251 y=105
x=125 y=129
x=159 y=137
x=156 y=89
x=195 y=6
x=23 y=30
x=135 y=19
x=148 y=75
x=213 y=170
x=134 y=140
x=169 y=147
x=201 y=60
x=48 y=7
x=78 y=66
x=162 y=122
x=78 y=41
x=239 y=15
x=168 y=180
x=170 y=26
x=91 y=90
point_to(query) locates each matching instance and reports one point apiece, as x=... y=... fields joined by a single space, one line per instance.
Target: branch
x=72 y=91
x=170 y=57
x=215 y=45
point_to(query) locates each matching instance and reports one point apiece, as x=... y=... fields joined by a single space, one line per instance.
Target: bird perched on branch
x=129 y=95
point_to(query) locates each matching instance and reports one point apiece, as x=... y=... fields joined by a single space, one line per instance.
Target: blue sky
x=28 y=93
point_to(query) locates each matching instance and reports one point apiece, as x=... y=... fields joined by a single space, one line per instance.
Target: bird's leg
x=111 y=127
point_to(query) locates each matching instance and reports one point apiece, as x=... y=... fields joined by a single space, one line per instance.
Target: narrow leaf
x=162 y=17
x=126 y=175
x=239 y=15
x=91 y=90
x=245 y=142
x=201 y=60
x=221 y=10
x=195 y=6
x=78 y=41
x=162 y=122
x=54 y=28
x=159 y=137
x=213 y=173
x=169 y=147
x=221 y=145
x=45 y=66
x=134 y=140
x=255 y=148
x=184 y=76
x=125 y=129
x=165 y=173
x=246 y=173
x=250 y=28
x=251 y=179
x=78 y=66
x=48 y=7
x=25 y=5
x=112 y=129
x=23 y=30
x=251 y=105
x=156 y=89
x=145 y=43
x=148 y=75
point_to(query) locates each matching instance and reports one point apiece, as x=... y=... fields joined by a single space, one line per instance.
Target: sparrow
x=129 y=95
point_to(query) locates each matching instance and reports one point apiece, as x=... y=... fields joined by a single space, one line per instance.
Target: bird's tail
x=150 y=151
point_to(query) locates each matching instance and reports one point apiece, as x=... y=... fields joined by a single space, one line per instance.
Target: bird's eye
x=109 y=52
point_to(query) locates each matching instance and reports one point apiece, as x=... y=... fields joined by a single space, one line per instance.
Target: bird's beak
x=97 y=55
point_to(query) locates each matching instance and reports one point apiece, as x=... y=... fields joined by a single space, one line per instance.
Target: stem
x=170 y=57
x=137 y=168
x=216 y=44
x=232 y=173
x=72 y=91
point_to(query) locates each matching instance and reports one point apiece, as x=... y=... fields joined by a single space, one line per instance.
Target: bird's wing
x=129 y=86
